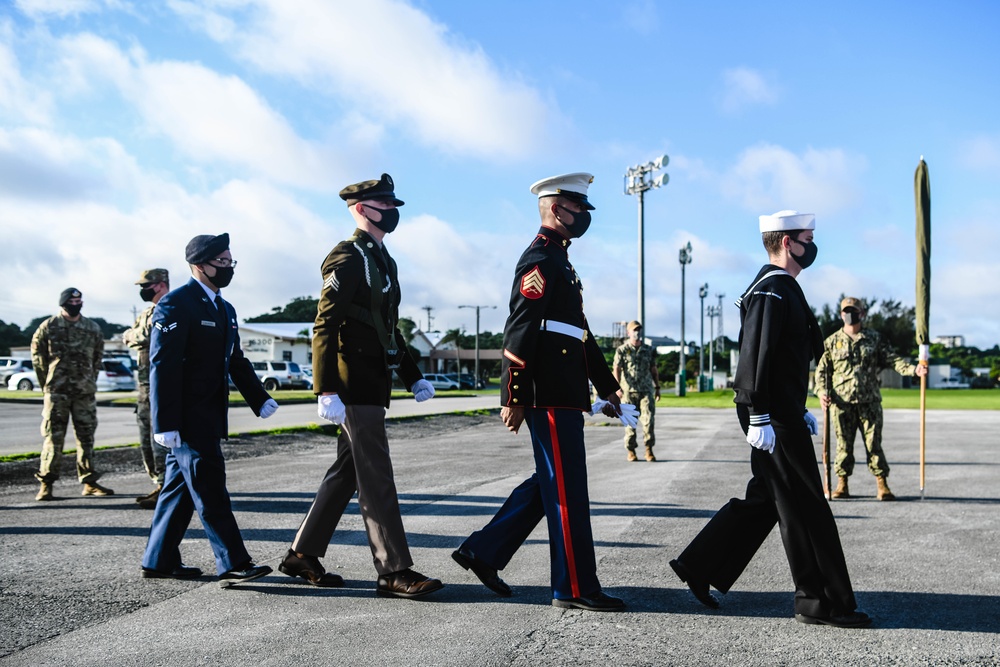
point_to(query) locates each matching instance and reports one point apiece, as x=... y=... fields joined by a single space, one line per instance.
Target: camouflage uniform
x=154 y=455
x=853 y=367
x=67 y=356
x=636 y=364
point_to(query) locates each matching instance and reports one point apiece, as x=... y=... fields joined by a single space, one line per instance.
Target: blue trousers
x=558 y=491
x=195 y=479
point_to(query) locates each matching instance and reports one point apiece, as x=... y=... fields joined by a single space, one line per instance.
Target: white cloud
x=393 y=64
x=641 y=16
x=744 y=87
x=19 y=99
x=982 y=153
x=39 y=9
x=767 y=178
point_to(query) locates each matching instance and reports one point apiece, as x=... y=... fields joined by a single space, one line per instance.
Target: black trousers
x=785 y=489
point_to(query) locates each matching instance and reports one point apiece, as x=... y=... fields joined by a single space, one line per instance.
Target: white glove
x=761 y=437
x=629 y=415
x=598 y=406
x=811 y=423
x=422 y=390
x=269 y=408
x=170 y=439
x=332 y=409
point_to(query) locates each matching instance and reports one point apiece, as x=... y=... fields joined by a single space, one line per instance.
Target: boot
x=649 y=454
x=95 y=489
x=841 y=490
x=45 y=492
x=883 y=489
x=631 y=456
x=149 y=502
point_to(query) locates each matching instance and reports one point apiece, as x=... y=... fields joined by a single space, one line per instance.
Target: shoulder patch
x=533 y=284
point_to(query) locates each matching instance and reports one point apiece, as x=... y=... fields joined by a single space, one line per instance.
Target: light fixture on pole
x=713 y=312
x=702 y=293
x=475 y=383
x=685 y=258
x=638 y=179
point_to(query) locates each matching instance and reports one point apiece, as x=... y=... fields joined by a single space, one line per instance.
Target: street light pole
x=702 y=293
x=476 y=381
x=685 y=258
x=712 y=312
x=638 y=179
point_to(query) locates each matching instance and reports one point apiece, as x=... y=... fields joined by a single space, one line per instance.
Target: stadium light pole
x=476 y=381
x=685 y=258
x=702 y=293
x=638 y=179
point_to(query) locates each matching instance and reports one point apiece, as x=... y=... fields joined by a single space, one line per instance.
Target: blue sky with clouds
x=128 y=127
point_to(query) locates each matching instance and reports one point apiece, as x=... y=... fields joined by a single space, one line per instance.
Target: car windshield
x=116 y=367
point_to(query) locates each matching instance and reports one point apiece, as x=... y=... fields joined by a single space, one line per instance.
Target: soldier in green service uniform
x=847 y=382
x=66 y=351
x=153 y=284
x=635 y=369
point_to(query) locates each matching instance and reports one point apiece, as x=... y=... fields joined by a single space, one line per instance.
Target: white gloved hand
x=761 y=437
x=629 y=415
x=811 y=423
x=598 y=406
x=170 y=439
x=422 y=390
x=332 y=409
x=269 y=408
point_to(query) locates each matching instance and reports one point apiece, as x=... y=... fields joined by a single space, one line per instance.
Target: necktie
x=220 y=314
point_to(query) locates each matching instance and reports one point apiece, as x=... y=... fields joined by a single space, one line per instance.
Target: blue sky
x=126 y=128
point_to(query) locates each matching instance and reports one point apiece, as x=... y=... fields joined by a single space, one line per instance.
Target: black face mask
x=73 y=309
x=806 y=259
x=147 y=293
x=851 y=317
x=222 y=277
x=581 y=222
x=390 y=218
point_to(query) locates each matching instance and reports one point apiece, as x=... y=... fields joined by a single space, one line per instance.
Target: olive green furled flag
x=922 y=189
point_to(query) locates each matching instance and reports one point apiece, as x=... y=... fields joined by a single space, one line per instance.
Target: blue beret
x=202 y=248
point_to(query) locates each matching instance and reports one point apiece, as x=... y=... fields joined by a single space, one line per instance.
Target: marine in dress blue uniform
x=549 y=355
x=779 y=337
x=194 y=350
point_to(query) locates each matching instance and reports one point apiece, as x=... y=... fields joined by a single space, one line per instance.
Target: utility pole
x=638 y=179
x=475 y=383
x=702 y=293
x=713 y=312
x=428 y=309
x=719 y=334
x=685 y=258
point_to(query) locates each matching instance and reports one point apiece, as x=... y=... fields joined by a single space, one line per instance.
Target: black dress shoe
x=406 y=584
x=310 y=569
x=599 y=602
x=486 y=574
x=854 y=619
x=179 y=572
x=697 y=586
x=243 y=575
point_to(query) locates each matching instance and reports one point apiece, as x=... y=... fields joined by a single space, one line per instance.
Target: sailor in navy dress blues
x=779 y=337
x=549 y=353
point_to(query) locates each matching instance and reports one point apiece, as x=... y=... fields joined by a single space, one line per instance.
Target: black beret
x=67 y=294
x=202 y=248
x=380 y=189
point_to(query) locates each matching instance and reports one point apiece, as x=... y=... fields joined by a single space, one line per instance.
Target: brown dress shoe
x=95 y=489
x=310 y=569
x=631 y=456
x=406 y=584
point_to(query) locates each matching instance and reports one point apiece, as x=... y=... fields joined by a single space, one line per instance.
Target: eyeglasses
x=223 y=262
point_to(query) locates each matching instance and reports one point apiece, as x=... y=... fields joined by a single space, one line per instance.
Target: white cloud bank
x=744 y=87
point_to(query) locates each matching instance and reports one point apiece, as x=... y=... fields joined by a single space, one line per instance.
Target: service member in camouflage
x=153 y=284
x=635 y=369
x=66 y=351
x=847 y=382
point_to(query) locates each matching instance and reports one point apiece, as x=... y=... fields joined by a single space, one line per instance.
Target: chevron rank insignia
x=332 y=282
x=165 y=328
x=533 y=284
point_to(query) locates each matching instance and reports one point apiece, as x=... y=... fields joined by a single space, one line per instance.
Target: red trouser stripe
x=563 y=509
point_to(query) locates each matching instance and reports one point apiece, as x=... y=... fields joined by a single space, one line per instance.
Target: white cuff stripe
x=760 y=420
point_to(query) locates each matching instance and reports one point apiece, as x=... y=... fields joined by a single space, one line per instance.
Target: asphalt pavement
x=925 y=567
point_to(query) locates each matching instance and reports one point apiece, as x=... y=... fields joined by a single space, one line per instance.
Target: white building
x=277 y=341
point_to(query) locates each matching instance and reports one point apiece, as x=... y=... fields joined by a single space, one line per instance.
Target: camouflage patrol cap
x=381 y=189
x=851 y=302
x=153 y=276
x=69 y=293
x=206 y=247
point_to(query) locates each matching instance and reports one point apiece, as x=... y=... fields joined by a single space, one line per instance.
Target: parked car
x=113 y=376
x=467 y=381
x=280 y=375
x=440 y=381
x=307 y=375
x=11 y=365
x=952 y=383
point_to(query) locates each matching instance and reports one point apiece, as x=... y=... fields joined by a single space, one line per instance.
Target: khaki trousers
x=56 y=412
x=362 y=465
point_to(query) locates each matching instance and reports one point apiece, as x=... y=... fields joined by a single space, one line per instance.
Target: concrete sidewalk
x=926 y=569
